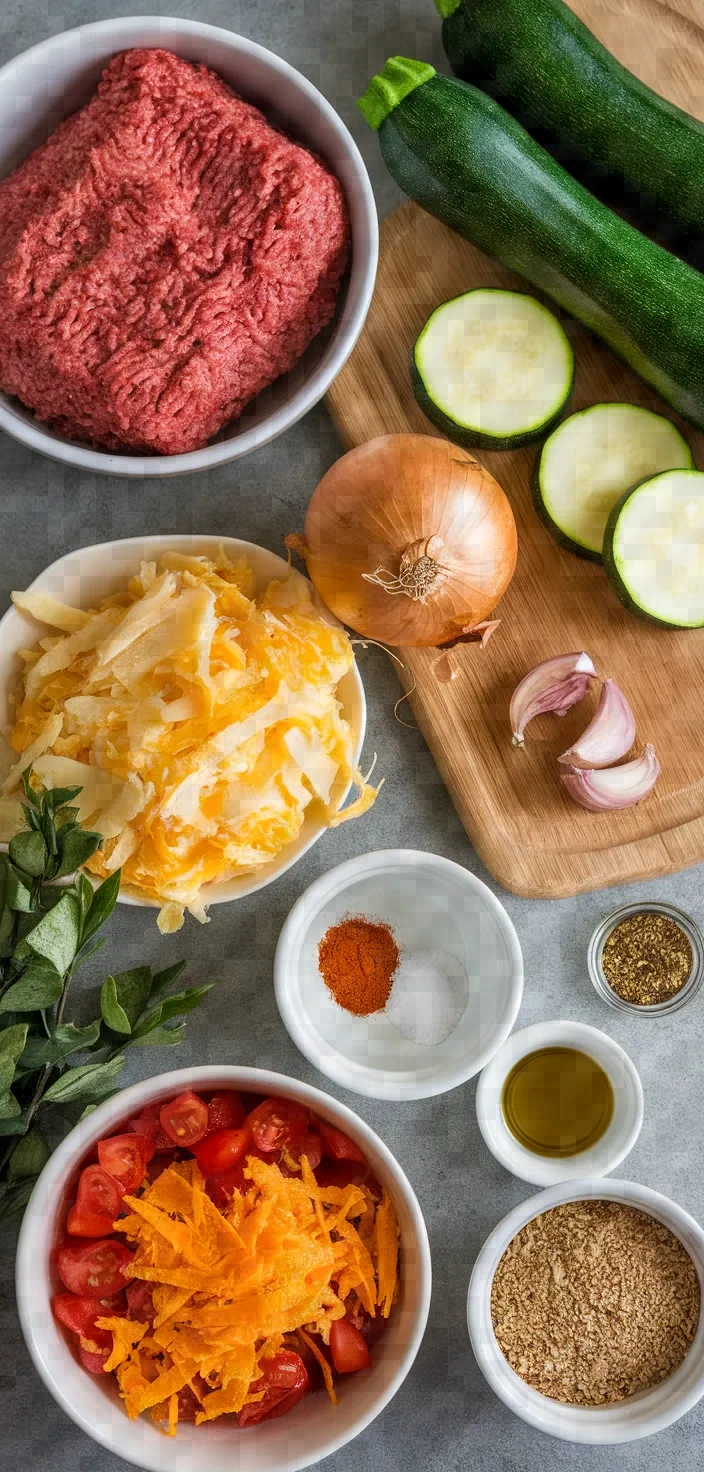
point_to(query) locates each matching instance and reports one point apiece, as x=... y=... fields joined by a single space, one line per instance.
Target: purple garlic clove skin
x=609 y=788
x=555 y=685
x=609 y=736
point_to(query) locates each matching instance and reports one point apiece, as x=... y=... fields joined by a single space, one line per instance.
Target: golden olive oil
x=557 y=1102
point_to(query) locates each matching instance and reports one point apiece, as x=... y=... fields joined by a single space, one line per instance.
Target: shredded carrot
x=229 y=1286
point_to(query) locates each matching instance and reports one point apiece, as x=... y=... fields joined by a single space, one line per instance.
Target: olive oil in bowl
x=557 y=1102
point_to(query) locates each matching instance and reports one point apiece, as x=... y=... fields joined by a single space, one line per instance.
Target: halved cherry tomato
x=125 y=1157
x=371 y=1326
x=140 y=1304
x=80 y=1223
x=148 y=1123
x=98 y=1192
x=278 y=1124
x=284 y=1380
x=313 y=1149
x=225 y=1112
x=80 y=1314
x=222 y=1150
x=184 y=1119
x=94 y=1360
x=93 y=1269
x=220 y=1187
x=343 y=1173
x=348 y=1347
x=336 y=1145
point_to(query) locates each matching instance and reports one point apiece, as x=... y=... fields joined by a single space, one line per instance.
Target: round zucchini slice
x=589 y=462
x=654 y=549
x=492 y=368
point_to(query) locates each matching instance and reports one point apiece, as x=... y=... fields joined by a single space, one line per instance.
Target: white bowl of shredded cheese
x=257 y=776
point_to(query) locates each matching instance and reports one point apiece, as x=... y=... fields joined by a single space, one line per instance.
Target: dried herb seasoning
x=647 y=958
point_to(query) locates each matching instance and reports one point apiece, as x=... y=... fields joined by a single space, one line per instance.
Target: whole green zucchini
x=465 y=160
x=546 y=67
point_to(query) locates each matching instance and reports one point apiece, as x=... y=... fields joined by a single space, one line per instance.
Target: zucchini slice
x=492 y=368
x=592 y=459
x=654 y=549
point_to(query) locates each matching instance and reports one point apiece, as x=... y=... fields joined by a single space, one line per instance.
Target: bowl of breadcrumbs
x=584 y=1311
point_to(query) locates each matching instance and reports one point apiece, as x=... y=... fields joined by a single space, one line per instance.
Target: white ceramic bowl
x=614 y=1145
x=430 y=903
x=91 y=573
x=627 y=1420
x=314 y=1429
x=42 y=86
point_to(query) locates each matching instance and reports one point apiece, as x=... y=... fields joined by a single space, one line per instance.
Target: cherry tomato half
x=279 y=1124
x=140 y=1304
x=148 y=1123
x=98 y=1192
x=80 y=1223
x=284 y=1380
x=184 y=1119
x=343 y=1173
x=93 y=1269
x=221 y=1186
x=125 y=1157
x=348 y=1347
x=94 y=1360
x=222 y=1150
x=336 y=1145
x=80 y=1314
x=225 y=1112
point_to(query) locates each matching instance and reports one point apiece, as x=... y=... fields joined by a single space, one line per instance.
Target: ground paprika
x=357 y=960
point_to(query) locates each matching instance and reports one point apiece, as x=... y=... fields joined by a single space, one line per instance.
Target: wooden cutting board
x=529 y=834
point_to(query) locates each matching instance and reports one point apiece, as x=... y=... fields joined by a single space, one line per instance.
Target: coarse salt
x=428 y=997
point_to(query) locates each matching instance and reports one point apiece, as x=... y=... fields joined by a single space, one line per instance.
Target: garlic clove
x=609 y=736
x=610 y=788
x=555 y=685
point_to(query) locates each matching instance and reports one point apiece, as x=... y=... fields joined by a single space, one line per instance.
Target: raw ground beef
x=163 y=257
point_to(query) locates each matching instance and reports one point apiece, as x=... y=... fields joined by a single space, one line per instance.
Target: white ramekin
x=315 y=1428
x=615 y=1143
x=43 y=85
x=85 y=576
x=627 y=1420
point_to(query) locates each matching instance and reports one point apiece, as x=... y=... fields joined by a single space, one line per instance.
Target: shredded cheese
x=201 y=721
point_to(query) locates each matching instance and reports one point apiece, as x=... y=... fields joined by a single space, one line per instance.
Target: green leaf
x=29 y=1156
x=29 y=791
x=174 y=1006
x=13 y=1125
x=64 y=1041
x=102 y=905
x=28 y=851
x=57 y=797
x=9 y=1107
x=161 y=1037
x=84 y=890
x=86 y=952
x=18 y=894
x=133 y=989
x=58 y=934
x=39 y=986
x=75 y=848
x=16 y=1196
x=91 y=1082
x=7 y=921
x=12 y=1041
x=113 y=1014
x=164 y=979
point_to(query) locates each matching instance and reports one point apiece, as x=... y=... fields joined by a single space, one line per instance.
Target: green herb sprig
x=49 y=918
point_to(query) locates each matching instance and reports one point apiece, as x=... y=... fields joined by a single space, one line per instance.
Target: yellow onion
x=409 y=540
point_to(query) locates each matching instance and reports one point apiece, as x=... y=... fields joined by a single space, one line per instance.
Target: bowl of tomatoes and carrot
x=228 y=1257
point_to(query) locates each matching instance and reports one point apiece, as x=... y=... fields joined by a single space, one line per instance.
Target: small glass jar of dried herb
x=647 y=958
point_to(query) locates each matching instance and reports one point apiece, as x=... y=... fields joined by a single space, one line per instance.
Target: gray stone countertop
x=445 y=1417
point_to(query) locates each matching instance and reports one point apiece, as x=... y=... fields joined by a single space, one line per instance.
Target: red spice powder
x=357 y=960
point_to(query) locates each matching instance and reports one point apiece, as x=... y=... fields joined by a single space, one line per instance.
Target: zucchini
x=654 y=549
x=589 y=462
x=493 y=368
x=455 y=151
x=541 y=62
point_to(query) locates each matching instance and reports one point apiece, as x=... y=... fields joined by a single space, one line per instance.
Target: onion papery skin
x=382 y=498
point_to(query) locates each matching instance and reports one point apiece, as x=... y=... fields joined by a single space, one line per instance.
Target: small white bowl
x=429 y=902
x=84 y=577
x=615 y=1143
x=315 y=1428
x=627 y=1420
x=39 y=88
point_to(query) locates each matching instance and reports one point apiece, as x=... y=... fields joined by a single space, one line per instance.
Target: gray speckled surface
x=444 y=1417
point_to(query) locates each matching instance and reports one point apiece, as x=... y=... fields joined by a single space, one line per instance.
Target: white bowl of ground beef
x=627 y=1304
x=181 y=276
